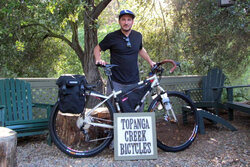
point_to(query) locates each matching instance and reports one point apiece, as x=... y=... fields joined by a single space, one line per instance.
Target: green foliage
x=67 y=63
x=23 y=29
x=218 y=37
x=196 y=33
x=199 y=34
x=242 y=94
x=23 y=51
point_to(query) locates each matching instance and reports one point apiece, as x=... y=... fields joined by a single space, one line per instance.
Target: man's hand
x=102 y=62
x=97 y=54
x=152 y=63
x=143 y=53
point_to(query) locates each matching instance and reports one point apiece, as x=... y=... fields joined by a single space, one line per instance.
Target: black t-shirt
x=125 y=57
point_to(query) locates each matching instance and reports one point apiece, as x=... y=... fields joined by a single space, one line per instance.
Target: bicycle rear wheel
x=174 y=135
x=74 y=141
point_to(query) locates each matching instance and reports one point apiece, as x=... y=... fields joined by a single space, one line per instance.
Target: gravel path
x=218 y=147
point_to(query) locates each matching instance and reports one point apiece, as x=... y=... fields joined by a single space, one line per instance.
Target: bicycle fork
x=169 y=114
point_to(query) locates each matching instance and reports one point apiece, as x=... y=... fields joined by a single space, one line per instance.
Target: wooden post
x=8 y=142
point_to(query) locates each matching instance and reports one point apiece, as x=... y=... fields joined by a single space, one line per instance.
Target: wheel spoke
x=176 y=128
x=78 y=140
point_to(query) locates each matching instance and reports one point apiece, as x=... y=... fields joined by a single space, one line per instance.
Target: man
x=124 y=45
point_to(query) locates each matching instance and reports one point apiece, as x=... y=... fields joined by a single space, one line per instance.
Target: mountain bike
x=88 y=133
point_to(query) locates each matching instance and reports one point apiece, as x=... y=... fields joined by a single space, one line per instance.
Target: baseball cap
x=124 y=12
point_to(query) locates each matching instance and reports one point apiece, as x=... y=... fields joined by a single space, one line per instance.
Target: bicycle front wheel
x=175 y=131
x=70 y=137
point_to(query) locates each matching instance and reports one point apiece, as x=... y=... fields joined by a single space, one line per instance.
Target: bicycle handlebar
x=106 y=65
x=169 y=61
x=155 y=68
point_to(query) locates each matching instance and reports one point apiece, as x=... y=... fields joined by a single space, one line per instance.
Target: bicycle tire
x=175 y=136
x=71 y=140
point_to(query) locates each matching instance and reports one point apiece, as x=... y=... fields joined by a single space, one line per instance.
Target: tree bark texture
x=70 y=134
x=90 y=41
x=67 y=124
x=8 y=142
x=67 y=130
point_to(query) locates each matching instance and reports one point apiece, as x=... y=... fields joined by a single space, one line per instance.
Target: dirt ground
x=218 y=147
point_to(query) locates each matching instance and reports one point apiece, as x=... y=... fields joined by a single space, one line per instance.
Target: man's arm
x=97 y=54
x=143 y=53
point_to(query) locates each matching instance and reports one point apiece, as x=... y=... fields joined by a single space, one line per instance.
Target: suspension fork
x=170 y=114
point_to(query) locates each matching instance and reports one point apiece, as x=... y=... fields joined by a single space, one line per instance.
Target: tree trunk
x=70 y=134
x=90 y=69
x=8 y=141
x=67 y=129
x=87 y=59
x=90 y=41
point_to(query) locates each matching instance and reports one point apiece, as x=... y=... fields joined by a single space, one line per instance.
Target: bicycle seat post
x=109 y=73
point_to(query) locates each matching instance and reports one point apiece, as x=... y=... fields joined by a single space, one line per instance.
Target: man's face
x=126 y=22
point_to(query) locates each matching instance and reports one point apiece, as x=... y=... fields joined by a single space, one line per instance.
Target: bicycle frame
x=154 y=83
x=176 y=117
x=87 y=120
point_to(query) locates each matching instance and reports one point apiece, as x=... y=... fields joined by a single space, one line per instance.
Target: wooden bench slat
x=239 y=106
x=13 y=98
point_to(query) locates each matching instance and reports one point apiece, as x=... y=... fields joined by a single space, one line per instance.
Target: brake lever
x=178 y=64
x=100 y=65
x=154 y=68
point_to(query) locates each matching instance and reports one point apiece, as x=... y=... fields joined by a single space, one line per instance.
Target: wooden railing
x=45 y=90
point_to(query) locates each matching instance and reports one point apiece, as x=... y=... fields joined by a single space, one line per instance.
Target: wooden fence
x=45 y=90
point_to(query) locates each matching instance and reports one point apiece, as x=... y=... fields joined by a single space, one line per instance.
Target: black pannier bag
x=132 y=97
x=71 y=98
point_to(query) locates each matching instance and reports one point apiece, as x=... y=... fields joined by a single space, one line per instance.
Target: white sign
x=135 y=136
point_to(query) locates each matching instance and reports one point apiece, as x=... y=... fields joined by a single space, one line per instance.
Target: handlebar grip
x=100 y=65
x=107 y=65
x=169 y=61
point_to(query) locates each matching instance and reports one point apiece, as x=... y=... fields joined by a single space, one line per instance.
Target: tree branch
x=74 y=28
x=50 y=33
x=36 y=24
x=99 y=8
x=75 y=38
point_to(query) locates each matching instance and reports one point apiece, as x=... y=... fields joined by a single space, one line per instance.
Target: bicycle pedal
x=166 y=118
x=87 y=137
x=172 y=121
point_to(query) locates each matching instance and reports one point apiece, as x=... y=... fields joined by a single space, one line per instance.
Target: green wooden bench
x=2 y=112
x=232 y=105
x=211 y=99
x=17 y=109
